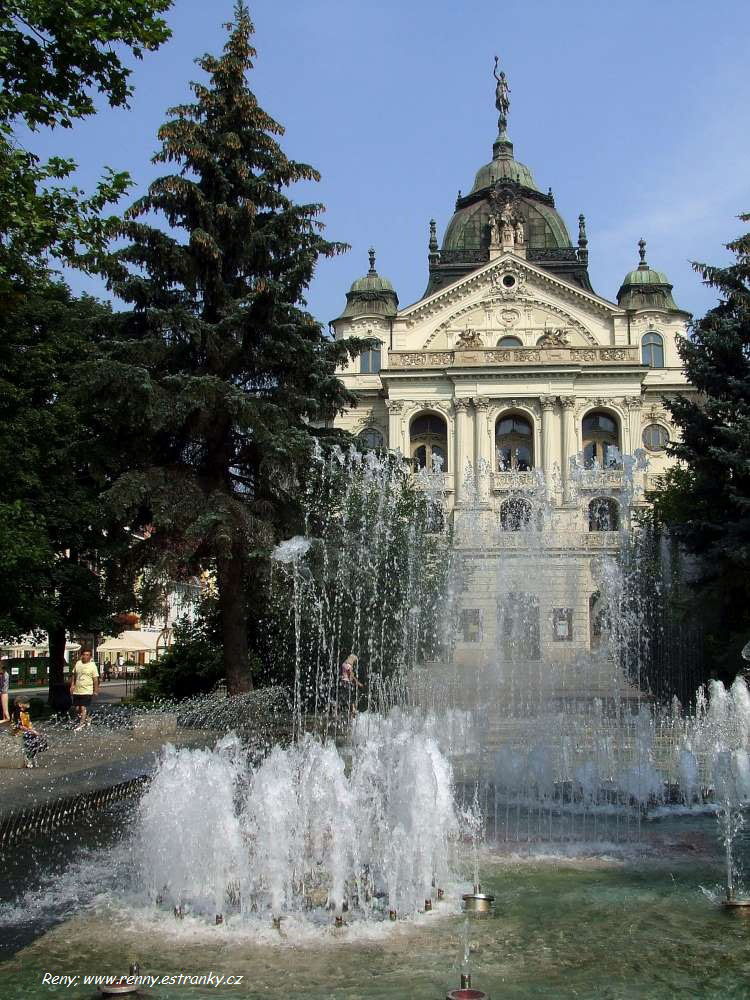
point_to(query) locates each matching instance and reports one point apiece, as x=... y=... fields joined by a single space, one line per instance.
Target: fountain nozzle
x=276 y=923
x=338 y=920
x=478 y=901
x=440 y=894
x=427 y=905
x=178 y=914
x=219 y=919
x=466 y=992
x=392 y=914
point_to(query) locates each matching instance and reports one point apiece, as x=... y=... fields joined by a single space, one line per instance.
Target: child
x=33 y=742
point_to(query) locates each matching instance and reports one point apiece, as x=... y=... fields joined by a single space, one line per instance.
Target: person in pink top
x=348 y=681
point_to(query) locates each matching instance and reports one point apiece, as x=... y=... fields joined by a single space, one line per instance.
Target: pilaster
x=482 y=461
x=395 y=409
x=568 y=443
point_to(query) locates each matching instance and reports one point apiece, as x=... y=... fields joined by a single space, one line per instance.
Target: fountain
x=380 y=811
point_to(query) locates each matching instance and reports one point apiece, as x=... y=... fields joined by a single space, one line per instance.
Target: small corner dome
x=370 y=295
x=646 y=288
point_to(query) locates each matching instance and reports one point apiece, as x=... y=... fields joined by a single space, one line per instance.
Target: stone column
x=482 y=460
x=633 y=406
x=462 y=448
x=568 y=444
x=395 y=425
x=548 y=406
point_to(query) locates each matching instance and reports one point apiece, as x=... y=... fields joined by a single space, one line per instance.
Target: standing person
x=349 y=682
x=120 y=666
x=33 y=741
x=84 y=685
x=4 y=688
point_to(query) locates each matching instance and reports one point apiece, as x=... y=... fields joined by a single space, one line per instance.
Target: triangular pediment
x=491 y=274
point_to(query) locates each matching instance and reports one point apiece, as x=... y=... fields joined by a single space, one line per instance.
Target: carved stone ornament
x=498 y=287
x=586 y=354
x=547 y=402
x=633 y=402
x=469 y=339
x=553 y=338
x=444 y=406
x=394 y=405
x=461 y=405
x=613 y=354
x=508 y=317
x=568 y=402
x=481 y=403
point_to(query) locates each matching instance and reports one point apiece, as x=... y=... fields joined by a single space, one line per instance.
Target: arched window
x=370 y=438
x=601 y=441
x=604 y=514
x=369 y=361
x=655 y=437
x=515 y=514
x=509 y=342
x=428 y=437
x=514 y=443
x=652 y=350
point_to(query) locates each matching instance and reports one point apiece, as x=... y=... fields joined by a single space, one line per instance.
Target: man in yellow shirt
x=84 y=685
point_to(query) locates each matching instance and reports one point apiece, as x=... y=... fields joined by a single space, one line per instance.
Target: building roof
x=646 y=288
x=466 y=242
x=370 y=295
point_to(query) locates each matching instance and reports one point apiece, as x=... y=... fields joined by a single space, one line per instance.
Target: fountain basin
x=467 y=994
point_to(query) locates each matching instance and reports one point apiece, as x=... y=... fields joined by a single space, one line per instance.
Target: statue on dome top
x=502 y=97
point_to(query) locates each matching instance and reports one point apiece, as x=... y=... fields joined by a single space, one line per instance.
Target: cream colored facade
x=425 y=370
x=573 y=354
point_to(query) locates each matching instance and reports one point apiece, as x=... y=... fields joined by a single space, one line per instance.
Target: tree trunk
x=230 y=580
x=57 y=664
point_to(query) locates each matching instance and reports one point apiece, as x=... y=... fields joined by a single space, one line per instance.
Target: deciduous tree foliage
x=60 y=552
x=54 y=58
x=217 y=371
x=707 y=497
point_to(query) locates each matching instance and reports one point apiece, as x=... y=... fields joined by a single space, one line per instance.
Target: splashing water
x=301 y=830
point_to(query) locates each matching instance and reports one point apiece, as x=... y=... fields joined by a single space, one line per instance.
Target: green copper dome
x=645 y=288
x=370 y=295
x=502 y=167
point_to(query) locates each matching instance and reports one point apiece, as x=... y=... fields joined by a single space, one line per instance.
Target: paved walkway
x=94 y=758
x=110 y=692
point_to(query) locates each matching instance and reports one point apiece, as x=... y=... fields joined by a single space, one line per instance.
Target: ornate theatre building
x=531 y=392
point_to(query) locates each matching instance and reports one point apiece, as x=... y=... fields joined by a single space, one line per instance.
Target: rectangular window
x=369 y=362
x=470 y=625
x=562 y=624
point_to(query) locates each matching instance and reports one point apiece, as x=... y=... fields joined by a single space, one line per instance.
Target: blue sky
x=633 y=112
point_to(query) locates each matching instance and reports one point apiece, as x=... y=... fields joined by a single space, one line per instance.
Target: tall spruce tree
x=217 y=373
x=706 y=501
